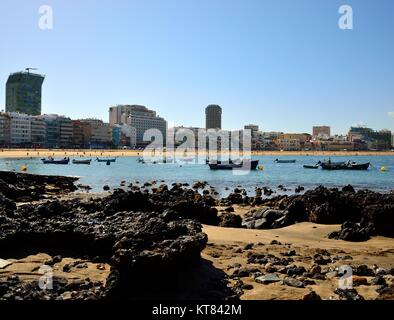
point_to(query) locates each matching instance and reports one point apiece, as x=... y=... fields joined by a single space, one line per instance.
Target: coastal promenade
x=22 y=153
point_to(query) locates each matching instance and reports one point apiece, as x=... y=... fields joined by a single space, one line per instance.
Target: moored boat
x=311 y=166
x=105 y=160
x=84 y=161
x=349 y=165
x=245 y=165
x=285 y=161
x=51 y=160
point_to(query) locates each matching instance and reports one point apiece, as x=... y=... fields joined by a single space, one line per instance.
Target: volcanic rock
x=22 y=187
x=292 y=282
x=348 y=294
x=230 y=220
x=267 y=278
x=312 y=295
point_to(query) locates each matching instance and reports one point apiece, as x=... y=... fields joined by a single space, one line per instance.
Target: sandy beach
x=27 y=153
x=226 y=249
x=220 y=252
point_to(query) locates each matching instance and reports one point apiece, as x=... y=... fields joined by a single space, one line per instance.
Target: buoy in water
x=108 y=163
x=24 y=168
x=261 y=168
x=383 y=169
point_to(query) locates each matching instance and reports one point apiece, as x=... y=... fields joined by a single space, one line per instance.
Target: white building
x=20 y=128
x=140 y=118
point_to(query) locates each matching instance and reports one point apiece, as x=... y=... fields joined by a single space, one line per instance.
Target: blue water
x=289 y=175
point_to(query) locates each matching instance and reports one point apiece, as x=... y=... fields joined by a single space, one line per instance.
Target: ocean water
x=289 y=175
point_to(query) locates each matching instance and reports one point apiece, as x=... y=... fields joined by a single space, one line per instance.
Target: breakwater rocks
x=22 y=187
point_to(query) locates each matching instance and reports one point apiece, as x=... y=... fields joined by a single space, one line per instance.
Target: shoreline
x=284 y=248
x=35 y=153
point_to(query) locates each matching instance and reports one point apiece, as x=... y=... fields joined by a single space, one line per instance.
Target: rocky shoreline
x=22 y=187
x=151 y=234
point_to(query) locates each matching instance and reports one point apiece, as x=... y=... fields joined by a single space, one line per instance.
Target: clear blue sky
x=282 y=64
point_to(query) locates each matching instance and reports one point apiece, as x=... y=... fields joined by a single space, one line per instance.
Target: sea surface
x=289 y=175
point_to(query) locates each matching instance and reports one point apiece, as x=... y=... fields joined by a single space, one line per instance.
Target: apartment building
x=20 y=129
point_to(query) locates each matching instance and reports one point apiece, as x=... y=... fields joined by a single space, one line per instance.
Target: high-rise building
x=119 y=114
x=140 y=118
x=213 y=117
x=321 y=131
x=23 y=93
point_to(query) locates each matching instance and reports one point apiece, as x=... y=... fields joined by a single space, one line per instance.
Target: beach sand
x=226 y=248
x=59 y=153
x=29 y=268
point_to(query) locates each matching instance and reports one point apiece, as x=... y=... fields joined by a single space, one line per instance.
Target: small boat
x=106 y=160
x=85 y=161
x=147 y=161
x=311 y=166
x=285 y=161
x=349 y=165
x=50 y=160
x=251 y=165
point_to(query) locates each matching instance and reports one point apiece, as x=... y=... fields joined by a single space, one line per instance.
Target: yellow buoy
x=24 y=168
x=261 y=168
x=383 y=169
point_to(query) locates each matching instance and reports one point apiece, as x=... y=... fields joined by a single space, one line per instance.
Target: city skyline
x=108 y=119
x=284 y=66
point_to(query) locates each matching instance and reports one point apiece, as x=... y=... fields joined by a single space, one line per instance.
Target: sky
x=282 y=64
